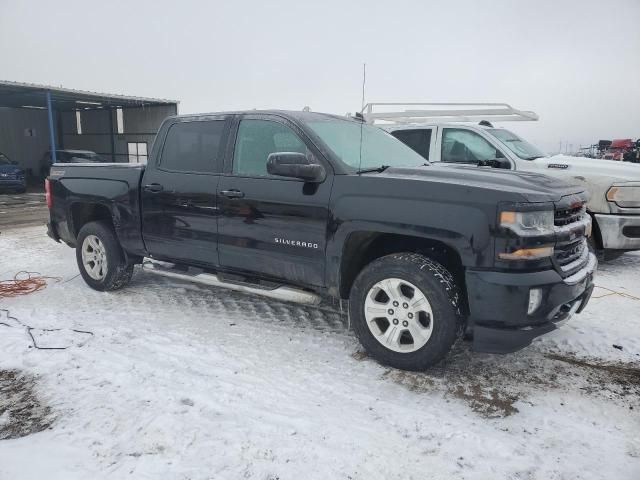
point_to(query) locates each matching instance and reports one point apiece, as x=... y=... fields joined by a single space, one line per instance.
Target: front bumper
x=6 y=183
x=498 y=303
x=619 y=232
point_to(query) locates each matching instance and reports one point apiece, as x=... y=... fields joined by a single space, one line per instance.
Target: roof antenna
x=364 y=83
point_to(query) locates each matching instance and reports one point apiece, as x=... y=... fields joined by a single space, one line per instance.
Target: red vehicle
x=620 y=149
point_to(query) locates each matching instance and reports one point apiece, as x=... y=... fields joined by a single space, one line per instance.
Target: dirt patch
x=21 y=412
x=486 y=398
x=490 y=403
x=414 y=381
x=492 y=384
x=624 y=378
x=359 y=355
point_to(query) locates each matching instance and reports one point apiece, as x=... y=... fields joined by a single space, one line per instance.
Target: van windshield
x=517 y=145
x=379 y=148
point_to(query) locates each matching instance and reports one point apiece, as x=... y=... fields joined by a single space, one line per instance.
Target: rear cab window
x=418 y=139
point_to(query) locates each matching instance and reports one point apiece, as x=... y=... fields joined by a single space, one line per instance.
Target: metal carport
x=110 y=123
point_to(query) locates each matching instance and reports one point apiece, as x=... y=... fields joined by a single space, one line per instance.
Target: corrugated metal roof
x=17 y=94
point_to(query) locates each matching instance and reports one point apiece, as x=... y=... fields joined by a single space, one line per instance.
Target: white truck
x=463 y=134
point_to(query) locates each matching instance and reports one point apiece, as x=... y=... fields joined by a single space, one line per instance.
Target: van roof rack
x=444 y=112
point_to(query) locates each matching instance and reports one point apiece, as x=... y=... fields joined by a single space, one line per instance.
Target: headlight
x=624 y=196
x=526 y=224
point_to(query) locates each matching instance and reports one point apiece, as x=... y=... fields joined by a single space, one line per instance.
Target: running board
x=275 y=291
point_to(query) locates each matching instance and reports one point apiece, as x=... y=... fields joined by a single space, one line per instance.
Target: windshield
x=4 y=160
x=378 y=147
x=520 y=147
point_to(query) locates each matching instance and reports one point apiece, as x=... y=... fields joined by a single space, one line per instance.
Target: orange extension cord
x=24 y=283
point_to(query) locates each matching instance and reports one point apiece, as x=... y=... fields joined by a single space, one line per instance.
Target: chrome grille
x=567 y=216
x=572 y=251
x=572 y=256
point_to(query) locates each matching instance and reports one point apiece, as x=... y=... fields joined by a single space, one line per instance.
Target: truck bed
x=113 y=189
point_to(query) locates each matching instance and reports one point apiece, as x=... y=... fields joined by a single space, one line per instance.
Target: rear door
x=179 y=207
x=272 y=226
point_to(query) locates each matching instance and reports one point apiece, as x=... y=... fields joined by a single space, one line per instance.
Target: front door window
x=256 y=140
x=464 y=146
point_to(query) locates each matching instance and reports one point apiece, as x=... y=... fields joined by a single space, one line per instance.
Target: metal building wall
x=20 y=146
x=140 y=125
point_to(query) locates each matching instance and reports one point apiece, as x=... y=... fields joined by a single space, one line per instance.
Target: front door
x=460 y=145
x=179 y=205
x=273 y=226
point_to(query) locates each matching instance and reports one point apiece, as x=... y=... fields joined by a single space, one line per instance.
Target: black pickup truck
x=321 y=205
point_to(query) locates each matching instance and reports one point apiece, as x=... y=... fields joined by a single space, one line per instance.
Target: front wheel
x=405 y=310
x=101 y=260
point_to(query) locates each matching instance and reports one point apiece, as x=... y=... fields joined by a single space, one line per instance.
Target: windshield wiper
x=379 y=169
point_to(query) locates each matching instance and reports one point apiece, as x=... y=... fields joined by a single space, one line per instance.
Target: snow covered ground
x=178 y=381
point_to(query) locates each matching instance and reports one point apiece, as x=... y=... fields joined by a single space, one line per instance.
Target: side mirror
x=499 y=162
x=295 y=165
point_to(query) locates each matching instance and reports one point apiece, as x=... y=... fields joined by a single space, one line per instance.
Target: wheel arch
x=83 y=212
x=363 y=247
x=595 y=231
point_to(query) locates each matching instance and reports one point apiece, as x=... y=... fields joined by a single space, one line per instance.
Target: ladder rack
x=445 y=112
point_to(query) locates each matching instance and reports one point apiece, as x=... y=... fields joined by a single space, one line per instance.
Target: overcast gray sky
x=576 y=63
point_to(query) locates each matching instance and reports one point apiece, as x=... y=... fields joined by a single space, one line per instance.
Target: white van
x=457 y=134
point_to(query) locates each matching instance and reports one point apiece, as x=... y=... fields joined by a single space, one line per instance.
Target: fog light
x=535 y=299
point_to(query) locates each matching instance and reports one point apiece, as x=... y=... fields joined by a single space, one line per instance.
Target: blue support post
x=52 y=133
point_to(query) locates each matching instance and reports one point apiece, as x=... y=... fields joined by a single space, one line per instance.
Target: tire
x=110 y=271
x=407 y=276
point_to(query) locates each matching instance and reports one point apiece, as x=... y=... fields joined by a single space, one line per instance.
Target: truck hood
x=531 y=187
x=592 y=167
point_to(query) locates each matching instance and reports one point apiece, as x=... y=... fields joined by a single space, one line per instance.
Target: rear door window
x=418 y=140
x=194 y=147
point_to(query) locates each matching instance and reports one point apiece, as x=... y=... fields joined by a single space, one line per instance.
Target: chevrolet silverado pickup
x=303 y=205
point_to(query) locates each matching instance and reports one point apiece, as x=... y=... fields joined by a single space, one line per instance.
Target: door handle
x=153 y=188
x=232 y=193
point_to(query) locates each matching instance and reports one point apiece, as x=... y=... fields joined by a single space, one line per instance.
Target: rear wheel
x=101 y=261
x=405 y=310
